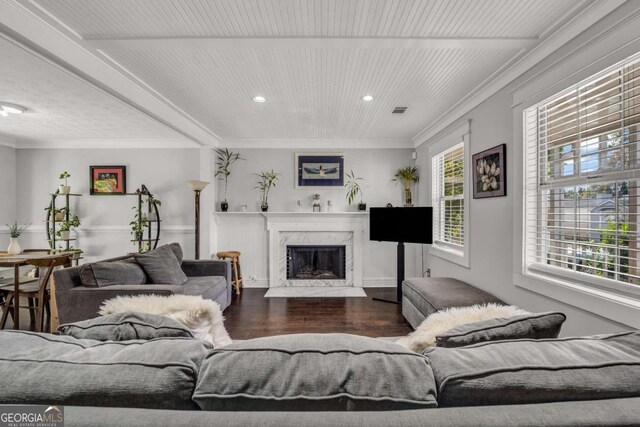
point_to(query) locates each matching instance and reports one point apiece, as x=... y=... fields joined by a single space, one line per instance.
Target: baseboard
x=258 y=283
x=379 y=282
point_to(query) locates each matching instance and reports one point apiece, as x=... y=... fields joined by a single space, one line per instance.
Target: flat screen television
x=407 y=225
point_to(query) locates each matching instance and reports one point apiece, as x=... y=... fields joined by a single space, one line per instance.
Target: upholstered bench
x=423 y=296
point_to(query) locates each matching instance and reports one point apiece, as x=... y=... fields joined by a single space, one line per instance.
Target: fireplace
x=316 y=262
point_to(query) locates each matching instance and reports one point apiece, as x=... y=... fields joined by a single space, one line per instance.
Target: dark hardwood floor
x=252 y=315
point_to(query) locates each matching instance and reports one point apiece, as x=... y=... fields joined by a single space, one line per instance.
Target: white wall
x=105 y=220
x=493 y=253
x=7 y=194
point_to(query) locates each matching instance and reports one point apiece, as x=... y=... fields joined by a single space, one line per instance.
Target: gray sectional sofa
x=79 y=298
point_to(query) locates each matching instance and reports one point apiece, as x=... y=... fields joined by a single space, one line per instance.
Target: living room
x=220 y=137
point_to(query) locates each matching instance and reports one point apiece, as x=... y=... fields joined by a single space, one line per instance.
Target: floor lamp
x=197 y=187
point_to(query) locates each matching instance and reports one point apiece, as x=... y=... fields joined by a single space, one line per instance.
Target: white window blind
x=448 y=196
x=582 y=172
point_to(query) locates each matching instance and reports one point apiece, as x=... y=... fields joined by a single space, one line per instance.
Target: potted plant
x=407 y=175
x=64 y=188
x=66 y=226
x=267 y=180
x=58 y=214
x=226 y=158
x=15 y=231
x=354 y=189
x=153 y=203
x=138 y=225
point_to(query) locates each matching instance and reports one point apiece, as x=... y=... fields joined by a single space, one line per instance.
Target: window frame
x=454 y=253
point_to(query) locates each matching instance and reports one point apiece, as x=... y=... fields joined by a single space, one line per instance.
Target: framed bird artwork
x=319 y=170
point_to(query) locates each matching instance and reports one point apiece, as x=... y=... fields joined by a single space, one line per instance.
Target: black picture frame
x=108 y=180
x=489 y=169
x=319 y=170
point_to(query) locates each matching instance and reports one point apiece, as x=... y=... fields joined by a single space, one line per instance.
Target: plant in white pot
x=267 y=180
x=65 y=227
x=64 y=188
x=354 y=189
x=15 y=231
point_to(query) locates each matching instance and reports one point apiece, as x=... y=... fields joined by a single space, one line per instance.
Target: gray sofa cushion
x=536 y=326
x=318 y=372
x=126 y=326
x=177 y=251
x=99 y=274
x=49 y=369
x=535 y=371
x=209 y=287
x=162 y=266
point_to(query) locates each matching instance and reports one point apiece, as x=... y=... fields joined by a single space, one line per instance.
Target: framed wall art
x=319 y=170
x=108 y=180
x=490 y=173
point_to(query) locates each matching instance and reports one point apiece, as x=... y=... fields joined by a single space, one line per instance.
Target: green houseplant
x=407 y=176
x=267 y=181
x=225 y=160
x=139 y=224
x=354 y=189
x=66 y=226
x=153 y=204
x=64 y=188
x=15 y=231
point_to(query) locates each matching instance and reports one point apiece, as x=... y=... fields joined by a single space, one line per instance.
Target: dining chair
x=37 y=292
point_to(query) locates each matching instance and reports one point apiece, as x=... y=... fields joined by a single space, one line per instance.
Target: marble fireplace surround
x=294 y=228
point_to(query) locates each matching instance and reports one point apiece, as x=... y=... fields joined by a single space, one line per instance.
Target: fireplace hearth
x=316 y=262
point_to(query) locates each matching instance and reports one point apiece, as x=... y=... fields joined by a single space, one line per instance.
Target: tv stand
x=399 y=276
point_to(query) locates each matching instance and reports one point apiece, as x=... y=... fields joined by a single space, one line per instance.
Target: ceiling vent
x=399 y=110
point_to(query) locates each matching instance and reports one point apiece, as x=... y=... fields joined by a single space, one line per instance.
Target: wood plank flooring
x=252 y=316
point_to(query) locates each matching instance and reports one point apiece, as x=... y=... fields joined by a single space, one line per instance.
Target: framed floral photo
x=490 y=173
x=108 y=180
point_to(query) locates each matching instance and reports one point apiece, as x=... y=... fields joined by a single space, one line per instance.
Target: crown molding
x=316 y=144
x=38 y=32
x=581 y=22
x=7 y=142
x=101 y=144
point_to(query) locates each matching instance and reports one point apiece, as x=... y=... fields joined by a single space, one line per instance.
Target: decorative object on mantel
x=142 y=221
x=319 y=170
x=108 y=180
x=407 y=175
x=197 y=187
x=15 y=231
x=353 y=189
x=267 y=180
x=316 y=203
x=64 y=188
x=225 y=159
x=58 y=223
x=490 y=177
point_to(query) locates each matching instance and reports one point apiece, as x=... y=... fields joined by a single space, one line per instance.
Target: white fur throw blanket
x=440 y=322
x=203 y=317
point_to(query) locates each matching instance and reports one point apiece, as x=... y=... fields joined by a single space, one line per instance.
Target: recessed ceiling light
x=259 y=99
x=367 y=98
x=7 y=108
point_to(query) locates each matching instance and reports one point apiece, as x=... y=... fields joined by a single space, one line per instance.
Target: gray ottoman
x=423 y=296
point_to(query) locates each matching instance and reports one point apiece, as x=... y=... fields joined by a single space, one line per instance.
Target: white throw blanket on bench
x=203 y=317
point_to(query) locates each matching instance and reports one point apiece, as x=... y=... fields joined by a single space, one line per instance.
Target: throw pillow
x=162 y=266
x=515 y=372
x=126 y=326
x=438 y=323
x=315 y=372
x=109 y=273
x=535 y=326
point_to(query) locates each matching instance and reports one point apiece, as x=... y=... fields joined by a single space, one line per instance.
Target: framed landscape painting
x=108 y=180
x=490 y=173
x=319 y=170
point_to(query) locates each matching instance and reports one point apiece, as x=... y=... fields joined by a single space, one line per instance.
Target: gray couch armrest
x=210 y=267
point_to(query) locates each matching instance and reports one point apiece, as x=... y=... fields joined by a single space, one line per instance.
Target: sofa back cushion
x=109 y=273
x=535 y=326
x=126 y=326
x=162 y=266
x=46 y=369
x=536 y=371
x=318 y=372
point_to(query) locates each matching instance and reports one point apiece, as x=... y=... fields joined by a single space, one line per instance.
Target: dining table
x=17 y=261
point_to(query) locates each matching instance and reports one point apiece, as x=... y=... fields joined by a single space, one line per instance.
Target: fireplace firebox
x=316 y=262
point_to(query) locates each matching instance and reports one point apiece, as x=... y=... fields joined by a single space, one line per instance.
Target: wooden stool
x=236 y=278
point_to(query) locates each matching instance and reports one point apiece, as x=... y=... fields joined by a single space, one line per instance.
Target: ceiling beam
x=309 y=42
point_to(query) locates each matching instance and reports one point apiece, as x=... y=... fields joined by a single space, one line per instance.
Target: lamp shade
x=197 y=185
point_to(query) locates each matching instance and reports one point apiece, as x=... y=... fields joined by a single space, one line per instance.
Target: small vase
x=264 y=207
x=14 y=247
x=362 y=207
x=64 y=235
x=408 y=199
x=224 y=206
x=64 y=189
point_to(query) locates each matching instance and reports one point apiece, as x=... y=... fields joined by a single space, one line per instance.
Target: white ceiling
x=313 y=60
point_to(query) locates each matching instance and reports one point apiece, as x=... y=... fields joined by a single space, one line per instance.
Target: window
x=582 y=172
x=448 y=197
